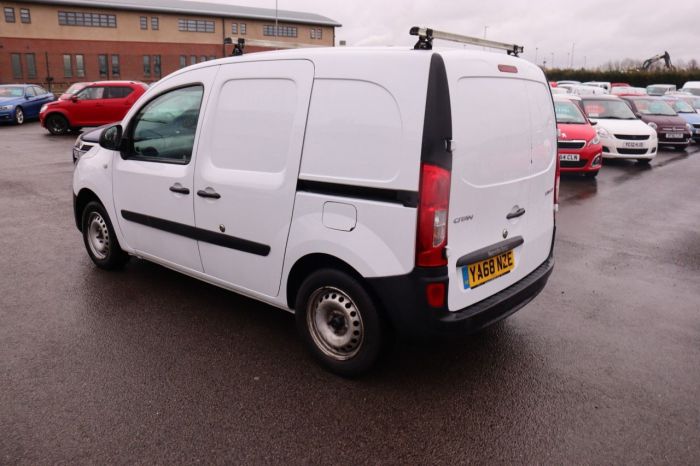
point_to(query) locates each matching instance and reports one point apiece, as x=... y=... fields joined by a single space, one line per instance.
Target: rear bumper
x=403 y=298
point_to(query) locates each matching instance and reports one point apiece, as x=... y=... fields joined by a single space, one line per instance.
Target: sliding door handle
x=209 y=193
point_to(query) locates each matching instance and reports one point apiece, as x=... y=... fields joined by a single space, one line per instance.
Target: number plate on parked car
x=569 y=157
x=635 y=145
x=674 y=135
x=486 y=270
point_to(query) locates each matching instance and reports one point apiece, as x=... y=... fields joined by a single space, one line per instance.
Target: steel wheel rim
x=335 y=323
x=98 y=236
x=19 y=116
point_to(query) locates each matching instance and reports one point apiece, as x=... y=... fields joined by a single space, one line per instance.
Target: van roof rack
x=426 y=36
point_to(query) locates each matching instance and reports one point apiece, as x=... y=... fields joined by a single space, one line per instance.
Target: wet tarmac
x=149 y=366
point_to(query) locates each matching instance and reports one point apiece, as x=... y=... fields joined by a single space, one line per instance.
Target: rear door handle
x=208 y=193
x=178 y=188
x=516 y=212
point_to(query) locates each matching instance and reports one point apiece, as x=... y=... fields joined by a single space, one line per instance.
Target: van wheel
x=99 y=238
x=57 y=124
x=19 y=116
x=339 y=322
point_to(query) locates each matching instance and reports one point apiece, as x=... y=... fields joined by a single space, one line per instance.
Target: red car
x=580 y=150
x=96 y=104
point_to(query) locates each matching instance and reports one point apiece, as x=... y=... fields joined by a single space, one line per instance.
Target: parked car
x=73 y=89
x=622 y=134
x=348 y=206
x=568 y=82
x=97 y=104
x=559 y=90
x=687 y=112
x=691 y=99
x=614 y=85
x=671 y=129
x=605 y=85
x=628 y=90
x=18 y=102
x=660 y=89
x=582 y=90
x=692 y=87
x=579 y=145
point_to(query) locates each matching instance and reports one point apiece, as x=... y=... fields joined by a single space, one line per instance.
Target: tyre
x=644 y=161
x=19 y=116
x=592 y=174
x=339 y=322
x=57 y=124
x=99 y=238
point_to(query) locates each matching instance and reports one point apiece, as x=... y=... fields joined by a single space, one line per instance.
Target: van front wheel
x=339 y=322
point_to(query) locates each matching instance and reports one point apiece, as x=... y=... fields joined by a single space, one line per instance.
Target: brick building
x=59 y=42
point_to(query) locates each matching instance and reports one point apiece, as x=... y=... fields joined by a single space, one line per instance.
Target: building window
x=183 y=61
x=243 y=28
x=282 y=31
x=25 y=16
x=97 y=20
x=143 y=21
x=115 y=66
x=234 y=28
x=193 y=59
x=202 y=58
x=67 y=66
x=147 y=65
x=30 y=60
x=9 y=15
x=16 y=60
x=80 y=66
x=212 y=57
x=102 y=65
x=316 y=33
x=154 y=23
x=156 y=66
x=195 y=25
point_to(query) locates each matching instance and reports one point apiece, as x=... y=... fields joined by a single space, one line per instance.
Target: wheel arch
x=308 y=264
x=84 y=197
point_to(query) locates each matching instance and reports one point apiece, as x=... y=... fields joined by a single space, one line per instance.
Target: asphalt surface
x=149 y=366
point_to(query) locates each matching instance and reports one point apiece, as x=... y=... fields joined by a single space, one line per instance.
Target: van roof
x=326 y=58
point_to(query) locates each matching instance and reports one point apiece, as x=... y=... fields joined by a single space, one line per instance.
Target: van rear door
x=503 y=169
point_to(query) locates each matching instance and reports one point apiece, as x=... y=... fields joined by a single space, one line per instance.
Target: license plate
x=635 y=145
x=674 y=135
x=486 y=270
x=569 y=157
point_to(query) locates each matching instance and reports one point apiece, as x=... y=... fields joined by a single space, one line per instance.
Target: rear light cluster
x=432 y=216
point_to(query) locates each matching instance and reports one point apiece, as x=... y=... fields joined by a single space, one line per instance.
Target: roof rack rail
x=426 y=36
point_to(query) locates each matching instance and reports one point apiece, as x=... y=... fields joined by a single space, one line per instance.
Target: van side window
x=164 y=129
x=253 y=121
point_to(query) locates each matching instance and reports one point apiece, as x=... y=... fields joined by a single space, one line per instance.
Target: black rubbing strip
x=395 y=196
x=490 y=251
x=198 y=234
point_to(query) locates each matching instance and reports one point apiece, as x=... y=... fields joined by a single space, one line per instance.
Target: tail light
x=432 y=216
x=557 y=175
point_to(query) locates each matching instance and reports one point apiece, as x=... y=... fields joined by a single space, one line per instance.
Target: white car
x=660 y=89
x=583 y=90
x=365 y=190
x=602 y=84
x=628 y=90
x=692 y=87
x=622 y=134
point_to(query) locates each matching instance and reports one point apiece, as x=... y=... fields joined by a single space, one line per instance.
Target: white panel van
x=368 y=191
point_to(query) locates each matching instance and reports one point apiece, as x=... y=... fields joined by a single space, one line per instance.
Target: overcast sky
x=602 y=30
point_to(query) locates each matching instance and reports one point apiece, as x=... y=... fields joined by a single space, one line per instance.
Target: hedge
x=634 y=78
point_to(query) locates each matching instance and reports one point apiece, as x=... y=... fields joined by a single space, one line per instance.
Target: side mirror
x=74 y=98
x=593 y=123
x=27 y=96
x=111 y=138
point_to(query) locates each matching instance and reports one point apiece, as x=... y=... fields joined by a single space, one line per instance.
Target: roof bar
x=426 y=36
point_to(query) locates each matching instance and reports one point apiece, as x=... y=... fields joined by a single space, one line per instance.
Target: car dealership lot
x=147 y=365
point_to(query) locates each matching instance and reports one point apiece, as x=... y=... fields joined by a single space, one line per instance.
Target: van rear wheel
x=339 y=322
